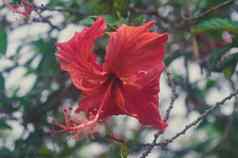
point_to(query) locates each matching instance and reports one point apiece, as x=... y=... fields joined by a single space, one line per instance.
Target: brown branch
x=174 y=95
x=164 y=143
x=195 y=122
x=44 y=19
x=208 y=11
x=229 y=124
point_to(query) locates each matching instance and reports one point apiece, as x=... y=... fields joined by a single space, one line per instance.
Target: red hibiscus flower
x=24 y=8
x=126 y=83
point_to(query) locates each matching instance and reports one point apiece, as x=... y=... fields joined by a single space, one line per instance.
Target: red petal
x=143 y=103
x=92 y=102
x=133 y=49
x=77 y=58
x=120 y=99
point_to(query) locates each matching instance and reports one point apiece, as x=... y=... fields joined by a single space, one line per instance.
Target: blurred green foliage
x=3 y=41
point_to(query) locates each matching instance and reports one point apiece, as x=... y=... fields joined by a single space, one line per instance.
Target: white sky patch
x=92 y=150
x=26 y=85
x=234 y=16
x=67 y=33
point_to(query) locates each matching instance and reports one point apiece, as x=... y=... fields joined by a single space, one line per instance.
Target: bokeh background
x=201 y=57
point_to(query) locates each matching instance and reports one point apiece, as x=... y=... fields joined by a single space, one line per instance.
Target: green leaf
x=172 y=57
x=216 y=24
x=44 y=151
x=6 y=153
x=140 y=19
x=229 y=65
x=4 y=125
x=48 y=64
x=95 y=7
x=111 y=20
x=210 y=84
x=3 y=41
x=120 y=7
x=228 y=71
x=220 y=62
x=230 y=60
x=16 y=1
x=87 y=21
x=124 y=151
x=2 y=83
x=215 y=58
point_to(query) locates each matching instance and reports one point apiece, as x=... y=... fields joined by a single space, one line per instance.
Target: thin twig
x=174 y=95
x=195 y=122
x=230 y=122
x=212 y=9
x=45 y=20
x=192 y=124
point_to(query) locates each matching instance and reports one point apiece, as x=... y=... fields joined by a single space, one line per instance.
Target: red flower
x=126 y=83
x=25 y=8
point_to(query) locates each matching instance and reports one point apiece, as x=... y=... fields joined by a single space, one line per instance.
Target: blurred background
x=201 y=56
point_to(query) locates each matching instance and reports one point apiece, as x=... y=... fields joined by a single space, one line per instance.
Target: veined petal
x=113 y=106
x=145 y=106
x=77 y=58
x=133 y=49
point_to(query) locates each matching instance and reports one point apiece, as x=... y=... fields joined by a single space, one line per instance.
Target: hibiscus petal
x=77 y=58
x=133 y=49
x=92 y=102
x=143 y=103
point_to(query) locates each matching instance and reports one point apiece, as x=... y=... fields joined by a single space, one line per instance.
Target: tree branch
x=208 y=11
x=195 y=122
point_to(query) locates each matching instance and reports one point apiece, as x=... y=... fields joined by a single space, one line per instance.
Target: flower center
x=117 y=91
x=114 y=79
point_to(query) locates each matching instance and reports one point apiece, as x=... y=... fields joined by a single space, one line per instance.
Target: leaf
x=95 y=7
x=44 y=151
x=16 y=1
x=210 y=84
x=48 y=63
x=120 y=7
x=111 y=20
x=6 y=153
x=4 y=125
x=215 y=58
x=229 y=65
x=228 y=71
x=3 y=41
x=87 y=21
x=216 y=24
x=230 y=60
x=124 y=151
x=169 y=59
x=2 y=83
